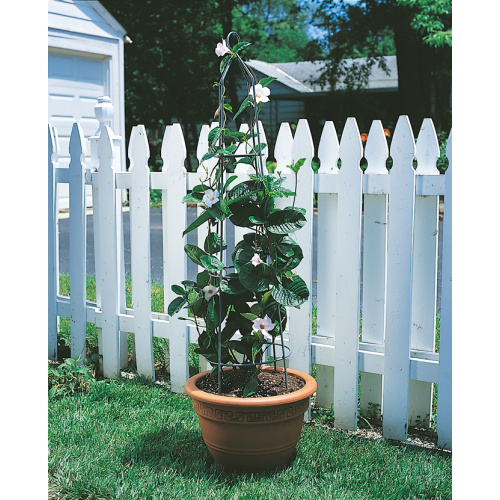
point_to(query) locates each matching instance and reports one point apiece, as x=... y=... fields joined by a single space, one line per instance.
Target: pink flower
x=222 y=49
x=264 y=325
x=256 y=260
x=261 y=93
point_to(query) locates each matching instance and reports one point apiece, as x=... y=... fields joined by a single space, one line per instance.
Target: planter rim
x=304 y=392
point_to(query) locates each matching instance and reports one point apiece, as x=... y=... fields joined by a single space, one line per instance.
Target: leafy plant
x=248 y=297
x=69 y=378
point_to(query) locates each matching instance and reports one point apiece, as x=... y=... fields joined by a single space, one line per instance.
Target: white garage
x=85 y=61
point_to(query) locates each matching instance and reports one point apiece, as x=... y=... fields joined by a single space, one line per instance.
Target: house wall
x=86 y=61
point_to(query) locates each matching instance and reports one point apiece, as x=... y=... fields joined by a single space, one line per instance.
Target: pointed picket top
x=105 y=148
x=77 y=143
x=427 y=149
x=202 y=147
x=303 y=145
x=174 y=153
x=350 y=142
x=449 y=149
x=376 y=149
x=328 y=151
x=53 y=144
x=164 y=142
x=403 y=142
x=283 y=147
x=138 y=149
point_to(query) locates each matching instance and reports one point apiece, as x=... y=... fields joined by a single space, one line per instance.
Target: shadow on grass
x=183 y=450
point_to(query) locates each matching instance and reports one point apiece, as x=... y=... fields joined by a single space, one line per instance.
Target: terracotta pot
x=251 y=433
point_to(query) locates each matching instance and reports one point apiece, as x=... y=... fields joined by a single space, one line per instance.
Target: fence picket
x=53 y=244
x=138 y=153
x=444 y=413
x=77 y=243
x=374 y=265
x=424 y=285
x=399 y=263
x=399 y=278
x=347 y=277
x=300 y=319
x=108 y=248
x=174 y=214
x=328 y=154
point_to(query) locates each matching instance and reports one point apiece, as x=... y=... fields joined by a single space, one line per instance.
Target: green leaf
x=52 y=392
x=204 y=217
x=228 y=107
x=212 y=317
x=295 y=167
x=178 y=290
x=292 y=292
x=202 y=278
x=207 y=156
x=244 y=105
x=266 y=81
x=250 y=316
x=231 y=179
x=213 y=135
x=225 y=61
x=213 y=243
x=285 y=221
x=211 y=263
x=240 y=46
x=231 y=285
x=176 y=305
x=257 y=278
x=194 y=253
x=251 y=387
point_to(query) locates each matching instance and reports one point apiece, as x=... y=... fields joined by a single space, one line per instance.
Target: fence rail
x=392 y=214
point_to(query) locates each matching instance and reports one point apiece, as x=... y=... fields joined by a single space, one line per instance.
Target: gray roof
x=299 y=76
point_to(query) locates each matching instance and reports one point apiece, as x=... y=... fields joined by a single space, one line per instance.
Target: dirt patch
x=233 y=382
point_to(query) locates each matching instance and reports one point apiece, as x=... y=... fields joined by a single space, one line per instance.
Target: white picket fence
x=394 y=216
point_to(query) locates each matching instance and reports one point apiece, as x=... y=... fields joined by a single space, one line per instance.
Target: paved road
x=157 y=248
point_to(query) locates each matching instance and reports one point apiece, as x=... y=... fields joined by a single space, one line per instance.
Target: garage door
x=75 y=83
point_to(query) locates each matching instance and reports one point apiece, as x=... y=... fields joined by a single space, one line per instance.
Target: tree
x=170 y=67
x=417 y=31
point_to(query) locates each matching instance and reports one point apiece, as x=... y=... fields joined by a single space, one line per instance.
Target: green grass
x=128 y=440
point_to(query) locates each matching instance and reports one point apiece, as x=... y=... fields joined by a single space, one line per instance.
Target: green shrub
x=69 y=378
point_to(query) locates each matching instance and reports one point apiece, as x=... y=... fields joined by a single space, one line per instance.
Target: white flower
x=261 y=93
x=256 y=260
x=210 y=197
x=210 y=291
x=264 y=325
x=222 y=49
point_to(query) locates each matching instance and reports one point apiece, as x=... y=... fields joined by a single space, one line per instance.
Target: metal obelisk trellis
x=259 y=167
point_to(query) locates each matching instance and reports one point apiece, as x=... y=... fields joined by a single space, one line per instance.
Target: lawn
x=131 y=439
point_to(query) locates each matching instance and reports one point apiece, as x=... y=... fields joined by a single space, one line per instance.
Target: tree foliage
x=418 y=32
x=170 y=67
